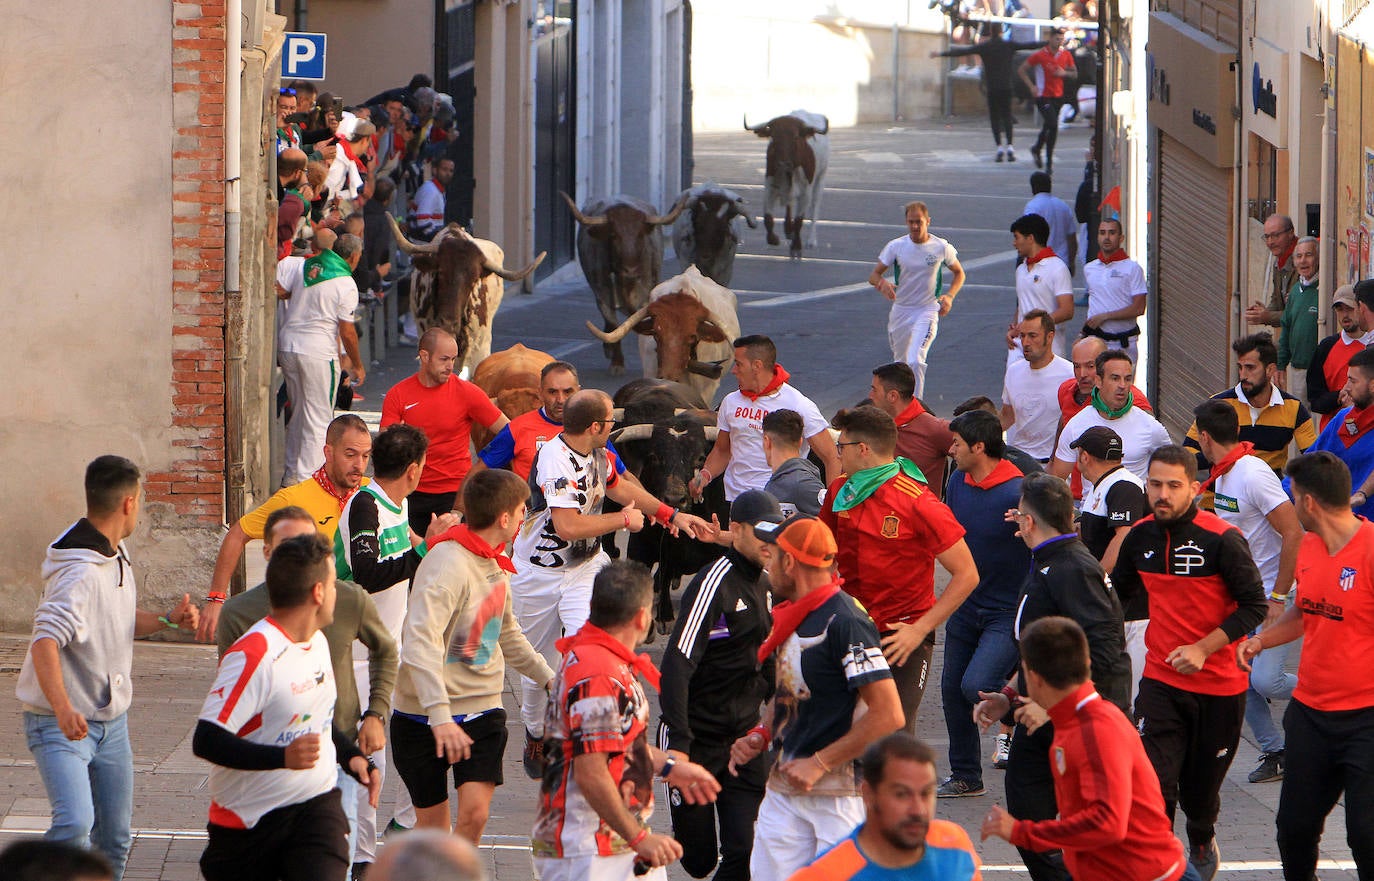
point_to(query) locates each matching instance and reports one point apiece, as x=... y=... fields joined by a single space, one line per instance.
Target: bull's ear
x=645 y=326
x=708 y=332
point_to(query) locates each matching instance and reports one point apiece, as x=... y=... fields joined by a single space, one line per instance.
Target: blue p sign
x=302 y=57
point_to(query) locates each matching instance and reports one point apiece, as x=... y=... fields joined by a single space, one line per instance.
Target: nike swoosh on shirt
x=408 y=406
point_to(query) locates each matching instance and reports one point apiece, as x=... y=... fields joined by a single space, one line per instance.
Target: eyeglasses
x=285 y=90
x=842 y=444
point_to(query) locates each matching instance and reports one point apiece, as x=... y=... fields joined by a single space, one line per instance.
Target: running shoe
x=1206 y=859
x=1269 y=769
x=1011 y=153
x=534 y=756
x=956 y=788
x=1002 y=752
x=1035 y=154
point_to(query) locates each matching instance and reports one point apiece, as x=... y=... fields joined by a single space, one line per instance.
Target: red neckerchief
x=438 y=186
x=1244 y=448
x=1001 y=473
x=343 y=145
x=328 y=486
x=779 y=377
x=789 y=614
x=1117 y=255
x=1356 y=423
x=476 y=544
x=590 y=634
x=912 y=410
x=1287 y=255
x=1044 y=252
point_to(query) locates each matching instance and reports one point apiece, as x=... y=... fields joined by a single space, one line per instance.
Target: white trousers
x=792 y=830
x=620 y=867
x=365 y=847
x=549 y=604
x=1135 y=648
x=311 y=384
x=911 y=332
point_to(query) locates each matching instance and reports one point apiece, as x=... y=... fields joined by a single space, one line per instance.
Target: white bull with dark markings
x=798 y=153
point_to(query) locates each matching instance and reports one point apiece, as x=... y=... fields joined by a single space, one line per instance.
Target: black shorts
x=412 y=749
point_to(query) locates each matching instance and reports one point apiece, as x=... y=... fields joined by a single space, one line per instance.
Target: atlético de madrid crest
x=1060 y=764
x=891 y=525
x=1347 y=578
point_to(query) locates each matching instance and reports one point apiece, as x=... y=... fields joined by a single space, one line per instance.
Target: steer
x=511 y=379
x=798 y=152
x=707 y=233
x=620 y=249
x=685 y=330
x=664 y=451
x=457 y=284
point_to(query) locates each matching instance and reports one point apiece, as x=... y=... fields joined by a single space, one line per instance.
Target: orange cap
x=806 y=538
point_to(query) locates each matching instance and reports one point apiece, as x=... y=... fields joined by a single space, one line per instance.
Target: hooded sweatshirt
x=88 y=606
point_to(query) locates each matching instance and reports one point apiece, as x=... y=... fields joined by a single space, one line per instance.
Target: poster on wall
x=1369 y=185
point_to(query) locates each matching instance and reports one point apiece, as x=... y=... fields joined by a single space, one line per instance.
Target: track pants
x=911 y=678
x=1049 y=127
x=311 y=383
x=1191 y=740
x=549 y=603
x=734 y=812
x=1329 y=753
x=911 y=332
x=1030 y=795
x=1000 y=115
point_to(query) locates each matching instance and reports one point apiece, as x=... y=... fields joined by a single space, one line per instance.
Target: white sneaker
x=1001 y=155
x=1002 y=752
x=1011 y=153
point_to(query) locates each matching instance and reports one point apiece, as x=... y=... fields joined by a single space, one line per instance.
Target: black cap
x=1100 y=442
x=754 y=505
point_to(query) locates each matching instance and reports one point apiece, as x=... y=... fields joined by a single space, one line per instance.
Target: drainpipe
x=1326 y=278
x=233 y=300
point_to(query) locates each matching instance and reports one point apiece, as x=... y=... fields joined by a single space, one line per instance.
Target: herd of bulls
x=685 y=324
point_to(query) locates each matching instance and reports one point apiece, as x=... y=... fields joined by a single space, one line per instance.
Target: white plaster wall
x=373 y=45
x=85 y=181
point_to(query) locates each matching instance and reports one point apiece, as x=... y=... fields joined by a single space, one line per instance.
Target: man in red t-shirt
x=891 y=529
x=922 y=437
x=444 y=407
x=1053 y=63
x=1074 y=394
x=1330 y=721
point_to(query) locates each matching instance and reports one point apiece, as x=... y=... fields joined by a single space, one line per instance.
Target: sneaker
x=1001 y=156
x=394 y=828
x=1269 y=768
x=956 y=788
x=1002 y=752
x=1035 y=154
x=1206 y=859
x=534 y=756
x=1011 y=153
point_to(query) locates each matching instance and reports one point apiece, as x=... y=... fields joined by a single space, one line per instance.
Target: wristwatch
x=379 y=716
x=667 y=768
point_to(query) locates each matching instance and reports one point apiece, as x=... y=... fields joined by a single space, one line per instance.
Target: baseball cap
x=806 y=538
x=1100 y=442
x=754 y=505
x=1344 y=296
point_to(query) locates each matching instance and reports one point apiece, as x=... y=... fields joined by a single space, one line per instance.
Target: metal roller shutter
x=1194 y=282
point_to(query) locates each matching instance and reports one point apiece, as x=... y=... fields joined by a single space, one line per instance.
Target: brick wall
x=194 y=485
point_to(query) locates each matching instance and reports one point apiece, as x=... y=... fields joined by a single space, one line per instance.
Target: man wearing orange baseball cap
x=828 y=659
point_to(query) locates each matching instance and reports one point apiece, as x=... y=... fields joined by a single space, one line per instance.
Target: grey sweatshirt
x=798 y=487
x=88 y=606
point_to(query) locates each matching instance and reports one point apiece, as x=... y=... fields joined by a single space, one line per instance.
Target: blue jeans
x=980 y=655
x=348 y=790
x=1268 y=681
x=90 y=784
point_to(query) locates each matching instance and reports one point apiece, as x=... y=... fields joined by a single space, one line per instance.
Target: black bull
x=664 y=438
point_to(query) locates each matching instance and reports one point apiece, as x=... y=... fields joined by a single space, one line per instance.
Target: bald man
x=428 y=854
x=444 y=407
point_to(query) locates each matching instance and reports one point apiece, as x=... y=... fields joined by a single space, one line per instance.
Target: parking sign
x=302 y=57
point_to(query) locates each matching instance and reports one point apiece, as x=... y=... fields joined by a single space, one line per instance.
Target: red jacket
x=1111 y=822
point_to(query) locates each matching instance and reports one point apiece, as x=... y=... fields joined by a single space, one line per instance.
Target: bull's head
x=627 y=228
x=672 y=451
x=677 y=322
x=788 y=147
x=424 y=256
x=712 y=212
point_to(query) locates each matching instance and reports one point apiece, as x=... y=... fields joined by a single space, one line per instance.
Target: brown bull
x=511 y=379
x=456 y=283
x=620 y=249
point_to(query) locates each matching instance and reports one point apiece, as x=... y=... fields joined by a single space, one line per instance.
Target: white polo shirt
x=1039 y=287
x=1112 y=286
x=919 y=269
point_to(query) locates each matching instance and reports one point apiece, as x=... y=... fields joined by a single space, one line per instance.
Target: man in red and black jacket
x=1205 y=595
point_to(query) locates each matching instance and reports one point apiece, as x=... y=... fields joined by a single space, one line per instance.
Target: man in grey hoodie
x=76 y=683
x=796 y=483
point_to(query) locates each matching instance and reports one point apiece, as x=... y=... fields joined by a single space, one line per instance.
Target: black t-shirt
x=1114 y=502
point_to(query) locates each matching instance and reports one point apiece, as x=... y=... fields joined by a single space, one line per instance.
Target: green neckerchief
x=862 y=484
x=324 y=266
x=1101 y=406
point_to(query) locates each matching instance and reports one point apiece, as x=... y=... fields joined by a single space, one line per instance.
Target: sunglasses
x=287 y=91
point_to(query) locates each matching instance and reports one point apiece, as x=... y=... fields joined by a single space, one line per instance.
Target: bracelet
x=634 y=842
x=821 y=762
x=665 y=514
x=763 y=732
x=627 y=519
x=707 y=473
x=167 y=622
x=215 y=596
x=1275 y=598
x=1012 y=697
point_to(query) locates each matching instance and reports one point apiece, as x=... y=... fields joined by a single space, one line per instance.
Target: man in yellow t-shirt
x=347 y=450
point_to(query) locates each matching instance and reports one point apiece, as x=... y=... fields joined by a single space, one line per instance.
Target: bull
x=620 y=249
x=707 y=233
x=686 y=330
x=664 y=435
x=795 y=163
x=511 y=379
x=457 y=283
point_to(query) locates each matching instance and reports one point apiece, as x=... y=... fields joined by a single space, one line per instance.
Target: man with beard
x=1348 y=434
x=1205 y=595
x=1270 y=418
x=1030 y=406
x=900 y=837
x=445 y=408
x=1327 y=375
x=1112 y=405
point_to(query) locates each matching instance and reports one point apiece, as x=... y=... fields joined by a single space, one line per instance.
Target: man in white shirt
x=920 y=295
x=1063 y=237
x=1247 y=494
x=763 y=388
x=1042 y=282
x=318 y=314
x=1116 y=291
x=1030 y=395
x=429 y=200
x=1113 y=405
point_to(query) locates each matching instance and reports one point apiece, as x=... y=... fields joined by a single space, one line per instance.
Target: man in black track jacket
x=711 y=691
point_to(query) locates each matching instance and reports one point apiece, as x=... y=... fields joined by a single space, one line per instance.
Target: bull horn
x=743 y=212
x=639 y=432
x=583 y=219
x=618 y=414
x=510 y=275
x=748 y=128
x=620 y=332
x=405 y=244
x=708 y=369
x=825 y=130
x=670 y=216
